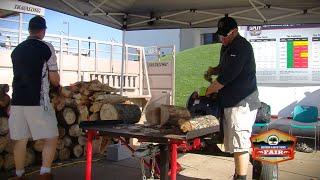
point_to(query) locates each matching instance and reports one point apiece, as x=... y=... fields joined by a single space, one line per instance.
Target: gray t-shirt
x=252 y=100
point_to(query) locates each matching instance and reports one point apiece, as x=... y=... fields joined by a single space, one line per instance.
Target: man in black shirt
x=32 y=115
x=237 y=88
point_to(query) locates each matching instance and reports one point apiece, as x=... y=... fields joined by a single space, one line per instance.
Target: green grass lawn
x=190 y=67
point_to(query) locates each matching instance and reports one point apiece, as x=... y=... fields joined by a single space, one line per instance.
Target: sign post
x=268 y=149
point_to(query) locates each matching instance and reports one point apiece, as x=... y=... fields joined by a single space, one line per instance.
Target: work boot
x=45 y=176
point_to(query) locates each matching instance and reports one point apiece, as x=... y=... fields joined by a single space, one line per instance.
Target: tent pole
x=122 y=61
x=20 y=27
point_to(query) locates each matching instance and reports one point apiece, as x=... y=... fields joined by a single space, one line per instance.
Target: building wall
x=190 y=38
x=147 y=38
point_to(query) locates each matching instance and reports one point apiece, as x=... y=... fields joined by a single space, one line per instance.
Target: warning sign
x=273 y=146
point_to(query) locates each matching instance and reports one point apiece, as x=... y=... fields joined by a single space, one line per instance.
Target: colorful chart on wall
x=286 y=53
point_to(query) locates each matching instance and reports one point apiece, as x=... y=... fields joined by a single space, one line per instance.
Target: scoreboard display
x=286 y=53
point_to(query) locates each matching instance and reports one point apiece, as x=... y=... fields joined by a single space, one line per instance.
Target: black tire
x=264 y=171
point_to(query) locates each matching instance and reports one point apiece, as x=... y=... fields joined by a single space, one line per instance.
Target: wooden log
x=62 y=132
x=171 y=114
x=4 y=126
x=77 y=151
x=38 y=145
x=82 y=140
x=4 y=101
x=8 y=163
x=67 y=117
x=9 y=147
x=95 y=107
x=77 y=96
x=60 y=144
x=105 y=142
x=58 y=102
x=4 y=140
x=70 y=102
x=130 y=113
x=66 y=92
x=1 y=161
x=4 y=112
x=83 y=113
x=64 y=154
x=153 y=115
x=67 y=141
x=84 y=90
x=96 y=145
x=56 y=156
x=75 y=131
x=30 y=157
x=109 y=98
x=94 y=116
x=4 y=88
x=198 y=123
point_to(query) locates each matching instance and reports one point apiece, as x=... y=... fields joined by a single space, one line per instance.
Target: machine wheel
x=264 y=171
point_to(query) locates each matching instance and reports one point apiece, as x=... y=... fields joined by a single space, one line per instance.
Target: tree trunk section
x=67 y=116
x=82 y=140
x=153 y=115
x=4 y=100
x=109 y=98
x=9 y=147
x=95 y=107
x=198 y=123
x=83 y=113
x=128 y=112
x=171 y=114
x=66 y=92
x=94 y=116
x=30 y=157
x=58 y=102
x=4 y=88
x=60 y=144
x=77 y=150
x=38 y=145
x=67 y=141
x=4 y=126
x=8 y=163
x=62 y=132
x=1 y=161
x=3 y=143
x=64 y=154
x=75 y=130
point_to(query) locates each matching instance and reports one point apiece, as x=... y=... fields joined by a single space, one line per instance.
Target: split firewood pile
x=88 y=101
x=169 y=115
x=6 y=157
x=81 y=101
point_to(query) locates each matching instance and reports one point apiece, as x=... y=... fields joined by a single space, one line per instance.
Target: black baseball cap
x=225 y=25
x=37 y=22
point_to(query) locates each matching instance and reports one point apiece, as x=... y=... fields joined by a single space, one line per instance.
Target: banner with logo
x=18 y=6
x=273 y=146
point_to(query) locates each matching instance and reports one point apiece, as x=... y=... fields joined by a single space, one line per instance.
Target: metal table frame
x=169 y=143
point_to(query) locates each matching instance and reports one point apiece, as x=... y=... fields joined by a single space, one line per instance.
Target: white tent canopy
x=162 y=14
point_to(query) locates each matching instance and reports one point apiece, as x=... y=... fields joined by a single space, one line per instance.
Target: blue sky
x=77 y=27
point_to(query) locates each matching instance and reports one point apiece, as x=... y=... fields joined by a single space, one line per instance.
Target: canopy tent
x=162 y=14
x=130 y=15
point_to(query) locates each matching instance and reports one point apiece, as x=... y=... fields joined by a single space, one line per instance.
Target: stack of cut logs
x=6 y=146
x=181 y=118
x=82 y=101
x=87 y=101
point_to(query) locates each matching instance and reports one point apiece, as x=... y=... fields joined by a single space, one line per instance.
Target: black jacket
x=237 y=72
